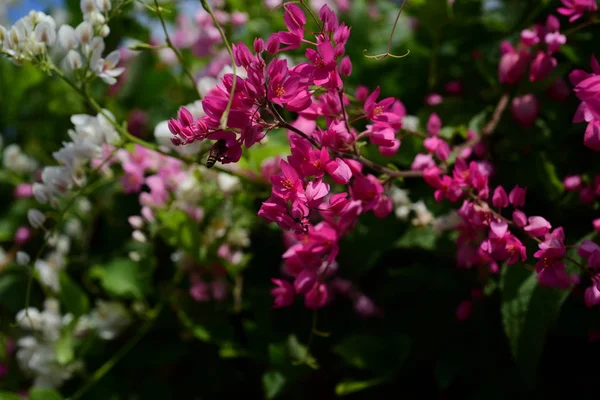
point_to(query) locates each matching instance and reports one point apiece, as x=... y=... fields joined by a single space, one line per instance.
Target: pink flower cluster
x=302 y=200
x=543 y=41
x=574 y=9
x=160 y=174
x=587 y=89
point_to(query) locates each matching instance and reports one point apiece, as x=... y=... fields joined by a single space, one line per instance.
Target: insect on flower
x=216 y=153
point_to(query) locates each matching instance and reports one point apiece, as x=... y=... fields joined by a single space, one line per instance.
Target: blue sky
x=22 y=7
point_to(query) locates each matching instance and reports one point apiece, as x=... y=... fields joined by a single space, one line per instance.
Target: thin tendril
x=170 y=45
x=389 y=46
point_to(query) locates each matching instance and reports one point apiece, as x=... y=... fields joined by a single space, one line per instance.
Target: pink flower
x=22 y=235
x=552 y=24
x=500 y=198
x=287 y=185
x=316 y=192
x=553 y=245
x=542 y=66
x=453 y=88
x=596 y=224
x=23 y=191
x=513 y=66
x=422 y=162
x=525 y=109
x=434 y=124
x=283 y=294
x=559 y=91
x=434 y=99
x=574 y=9
x=517 y=196
x=519 y=218
x=591 y=138
x=555 y=41
x=551 y=273
x=592 y=296
x=572 y=183
x=464 y=310
x=538 y=226
x=317 y=297
x=339 y=171
x=529 y=37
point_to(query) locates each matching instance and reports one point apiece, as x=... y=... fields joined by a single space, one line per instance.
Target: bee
x=216 y=153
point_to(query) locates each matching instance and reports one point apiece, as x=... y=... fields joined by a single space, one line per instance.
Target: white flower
x=205 y=85
x=87 y=6
x=139 y=236
x=410 y=122
x=73 y=61
x=49 y=273
x=109 y=319
x=228 y=183
x=45 y=32
x=15 y=160
x=67 y=38
x=74 y=227
x=23 y=258
x=84 y=32
x=135 y=256
x=423 y=216
x=107 y=68
x=36 y=218
x=103 y=5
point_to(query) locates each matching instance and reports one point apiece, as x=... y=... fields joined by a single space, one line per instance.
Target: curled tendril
x=389 y=46
x=381 y=56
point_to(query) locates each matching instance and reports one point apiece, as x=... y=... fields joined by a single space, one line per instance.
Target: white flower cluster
x=50 y=266
x=36 y=354
x=27 y=39
x=88 y=140
x=37 y=351
x=403 y=206
x=79 y=48
x=15 y=160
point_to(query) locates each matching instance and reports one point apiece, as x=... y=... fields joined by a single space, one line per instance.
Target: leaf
x=120 y=278
x=549 y=178
x=528 y=311
x=300 y=353
x=349 y=387
x=9 y=396
x=423 y=237
x=273 y=383
x=73 y=298
x=64 y=346
x=369 y=352
x=44 y=394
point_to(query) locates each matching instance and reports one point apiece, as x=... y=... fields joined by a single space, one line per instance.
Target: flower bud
x=500 y=198
x=346 y=66
x=45 y=33
x=22 y=235
x=517 y=196
x=525 y=109
x=572 y=183
x=103 y=5
x=36 y=218
x=519 y=218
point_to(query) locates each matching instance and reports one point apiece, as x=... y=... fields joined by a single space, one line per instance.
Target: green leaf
x=44 y=394
x=549 y=178
x=528 y=311
x=73 y=298
x=423 y=237
x=9 y=396
x=273 y=383
x=349 y=387
x=120 y=278
x=300 y=353
x=65 y=346
x=370 y=352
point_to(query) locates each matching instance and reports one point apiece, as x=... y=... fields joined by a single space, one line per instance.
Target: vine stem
x=225 y=115
x=170 y=45
x=364 y=161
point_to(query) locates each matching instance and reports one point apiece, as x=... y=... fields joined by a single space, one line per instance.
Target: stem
x=225 y=115
x=364 y=161
x=170 y=44
x=389 y=45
